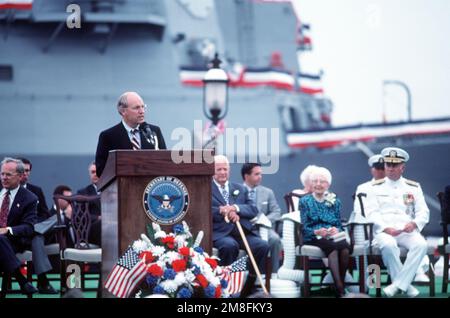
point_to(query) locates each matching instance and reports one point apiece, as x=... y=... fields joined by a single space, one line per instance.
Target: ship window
x=6 y=73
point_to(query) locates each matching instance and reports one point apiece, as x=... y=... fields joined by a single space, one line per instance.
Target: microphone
x=148 y=133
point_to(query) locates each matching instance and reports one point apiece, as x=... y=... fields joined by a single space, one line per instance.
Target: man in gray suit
x=267 y=205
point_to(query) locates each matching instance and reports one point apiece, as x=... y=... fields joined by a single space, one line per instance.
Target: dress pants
x=41 y=263
x=8 y=260
x=275 y=248
x=402 y=274
x=229 y=246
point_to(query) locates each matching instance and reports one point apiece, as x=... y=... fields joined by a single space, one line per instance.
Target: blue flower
x=196 y=270
x=199 y=250
x=184 y=293
x=210 y=291
x=178 y=228
x=151 y=280
x=169 y=274
x=223 y=283
x=159 y=290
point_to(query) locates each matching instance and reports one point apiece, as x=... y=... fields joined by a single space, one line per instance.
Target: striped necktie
x=134 y=140
x=4 y=210
x=225 y=194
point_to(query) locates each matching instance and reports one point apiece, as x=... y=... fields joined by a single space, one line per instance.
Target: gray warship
x=59 y=86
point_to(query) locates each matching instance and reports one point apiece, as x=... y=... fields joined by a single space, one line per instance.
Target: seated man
x=95 y=232
x=230 y=204
x=267 y=204
x=65 y=213
x=43 y=234
x=399 y=212
x=17 y=216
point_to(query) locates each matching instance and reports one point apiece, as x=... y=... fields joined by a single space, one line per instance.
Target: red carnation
x=202 y=280
x=148 y=256
x=155 y=270
x=218 y=292
x=212 y=262
x=185 y=251
x=169 y=241
x=179 y=265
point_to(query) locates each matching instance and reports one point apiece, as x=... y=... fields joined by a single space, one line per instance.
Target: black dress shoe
x=28 y=289
x=47 y=289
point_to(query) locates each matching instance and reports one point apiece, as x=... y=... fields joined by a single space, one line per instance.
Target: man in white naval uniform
x=376 y=164
x=399 y=212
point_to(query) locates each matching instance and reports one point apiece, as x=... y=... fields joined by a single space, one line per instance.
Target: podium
x=123 y=183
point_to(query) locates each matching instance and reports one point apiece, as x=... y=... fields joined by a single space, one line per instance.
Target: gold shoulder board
x=412 y=183
x=378 y=182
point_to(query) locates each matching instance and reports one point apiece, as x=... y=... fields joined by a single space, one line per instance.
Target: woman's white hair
x=306 y=174
x=323 y=172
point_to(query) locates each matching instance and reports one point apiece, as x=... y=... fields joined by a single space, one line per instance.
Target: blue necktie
x=225 y=194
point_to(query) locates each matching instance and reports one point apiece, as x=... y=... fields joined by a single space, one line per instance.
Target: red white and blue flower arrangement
x=177 y=267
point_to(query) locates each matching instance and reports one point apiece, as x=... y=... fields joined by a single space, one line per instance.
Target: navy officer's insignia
x=166 y=200
x=392 y=153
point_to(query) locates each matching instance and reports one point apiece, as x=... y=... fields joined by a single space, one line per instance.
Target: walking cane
x=250 y=254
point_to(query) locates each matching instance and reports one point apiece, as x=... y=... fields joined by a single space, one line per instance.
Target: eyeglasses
x=139 y=107
x=8 y=175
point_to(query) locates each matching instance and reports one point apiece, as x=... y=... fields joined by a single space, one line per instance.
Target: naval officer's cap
x=376 y=161
x=394 y=155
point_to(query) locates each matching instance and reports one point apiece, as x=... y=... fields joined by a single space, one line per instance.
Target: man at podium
x=131 y=133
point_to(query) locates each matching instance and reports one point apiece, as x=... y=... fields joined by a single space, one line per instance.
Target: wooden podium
x=123 y=183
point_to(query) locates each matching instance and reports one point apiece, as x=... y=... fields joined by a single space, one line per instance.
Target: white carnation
x=169 y=286
x=171 y=256
x=158 y=250
x=181 y=279
x=209 y=275
x=190 y=277
x=160 y=234
x=180 y=240
x=139 y=246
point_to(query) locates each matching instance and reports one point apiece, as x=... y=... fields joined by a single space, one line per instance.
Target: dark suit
x=226 y=236
x=21 y=218
x=95 y=210
x=70 y=238
x=42 y=208
x=117 y=138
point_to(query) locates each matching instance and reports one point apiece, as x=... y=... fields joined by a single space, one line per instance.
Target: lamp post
x=215 y=92
x=408 y=96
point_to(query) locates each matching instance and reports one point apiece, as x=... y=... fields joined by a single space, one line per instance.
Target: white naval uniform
x=394 y=204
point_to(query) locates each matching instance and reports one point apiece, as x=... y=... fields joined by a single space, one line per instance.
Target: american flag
x=16 y=4
x=235 y=275
x=129 y=271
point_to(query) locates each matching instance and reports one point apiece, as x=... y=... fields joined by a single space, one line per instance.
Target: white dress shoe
x=412 y=291
x=390 y=290
x=422 y=278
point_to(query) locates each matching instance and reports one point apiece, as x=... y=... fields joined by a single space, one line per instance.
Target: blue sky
x=360 y=43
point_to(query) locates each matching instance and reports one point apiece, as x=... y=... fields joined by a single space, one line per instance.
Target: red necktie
x=4 y=210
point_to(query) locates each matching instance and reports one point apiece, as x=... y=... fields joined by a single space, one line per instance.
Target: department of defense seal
x=166 y=200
